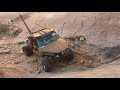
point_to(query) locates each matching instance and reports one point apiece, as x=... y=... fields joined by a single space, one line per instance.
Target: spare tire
x=27 y=50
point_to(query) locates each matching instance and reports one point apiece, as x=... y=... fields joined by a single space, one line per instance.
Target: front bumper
x=62 y=55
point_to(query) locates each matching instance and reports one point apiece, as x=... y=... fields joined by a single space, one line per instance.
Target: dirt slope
x=9 y=15
x=105 y=71
x=100 y=28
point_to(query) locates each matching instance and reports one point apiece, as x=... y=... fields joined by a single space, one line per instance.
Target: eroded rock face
x=1 y=45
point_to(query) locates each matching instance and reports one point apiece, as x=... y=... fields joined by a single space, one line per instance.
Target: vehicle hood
x=56 y=46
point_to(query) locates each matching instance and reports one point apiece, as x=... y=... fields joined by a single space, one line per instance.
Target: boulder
x=6 y=51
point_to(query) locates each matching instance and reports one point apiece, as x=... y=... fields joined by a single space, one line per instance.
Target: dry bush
x=25 y=16
x=4 y=29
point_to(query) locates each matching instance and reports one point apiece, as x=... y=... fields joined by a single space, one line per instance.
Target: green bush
x=4 y=28
x=78 y=38
x=72 y=38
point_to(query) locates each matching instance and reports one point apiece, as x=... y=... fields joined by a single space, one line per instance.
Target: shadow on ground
x=110 y=53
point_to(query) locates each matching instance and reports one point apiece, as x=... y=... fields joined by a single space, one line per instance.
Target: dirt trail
x=17 y=65
x=105 y=71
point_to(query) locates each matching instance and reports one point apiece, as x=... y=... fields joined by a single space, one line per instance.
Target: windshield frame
x=44 y=40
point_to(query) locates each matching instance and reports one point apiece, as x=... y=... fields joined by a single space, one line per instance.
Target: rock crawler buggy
x=47 y=44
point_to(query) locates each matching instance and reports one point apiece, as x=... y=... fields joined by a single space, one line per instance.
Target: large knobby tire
x=27 y=50
x=70 y=55
x=46 y=64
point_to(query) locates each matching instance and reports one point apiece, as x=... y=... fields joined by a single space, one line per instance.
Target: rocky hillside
x=100 y=28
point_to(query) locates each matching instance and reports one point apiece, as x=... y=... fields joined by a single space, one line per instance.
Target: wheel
x=46 y=64
x=27 y=50
x=70 y=55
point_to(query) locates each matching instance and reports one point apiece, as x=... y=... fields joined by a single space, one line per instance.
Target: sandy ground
x=105 y=71
x=17 y=65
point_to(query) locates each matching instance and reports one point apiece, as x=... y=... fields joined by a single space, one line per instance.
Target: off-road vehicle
x=48 y=45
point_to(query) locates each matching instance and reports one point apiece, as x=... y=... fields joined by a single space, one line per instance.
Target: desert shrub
x=72 y=38
x=4 y=28
x=21 y=42
x=16 y=33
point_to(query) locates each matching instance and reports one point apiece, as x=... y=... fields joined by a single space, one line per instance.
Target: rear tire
x=27 y=50
x=46 y=64
x=70 y=56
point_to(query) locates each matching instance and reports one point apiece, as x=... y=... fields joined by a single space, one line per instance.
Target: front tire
x=70 y=55
x=46 y=64
x=27 y=50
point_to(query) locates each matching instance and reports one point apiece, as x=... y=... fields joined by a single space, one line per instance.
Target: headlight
x=57 y=57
